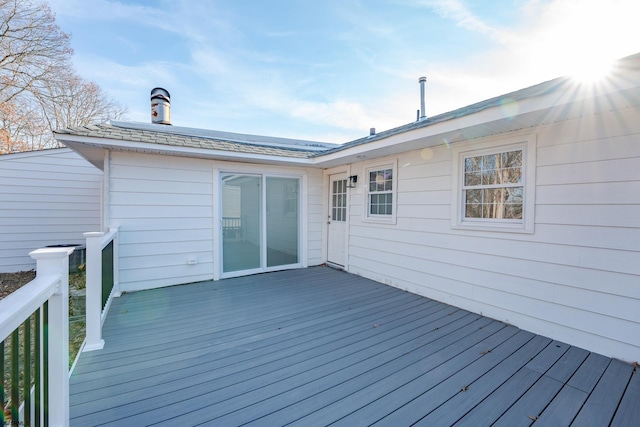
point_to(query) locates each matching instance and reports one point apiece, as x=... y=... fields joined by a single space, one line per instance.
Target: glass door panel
x=241 y=222
x=282 y=221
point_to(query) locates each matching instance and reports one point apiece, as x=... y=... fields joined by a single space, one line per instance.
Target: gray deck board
x=628 y=413
x=369 y=403
x=285 y=375
x=589 y=373
x=473 y=393
x=532 y=400
x=343 y=382
x=318 y=346
x=239 y=339
x=568 y=364
x=563 y=408
x=603 y=401
x=201 y=371
x=420 y=397
x=310 y=382
x=266 y=348
x=491 y=408
x=499 y=401
x=241 y=376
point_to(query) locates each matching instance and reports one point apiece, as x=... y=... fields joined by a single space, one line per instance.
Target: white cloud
x=460 y=13
x=113 y=11
x=372 y=82
x=550 y=39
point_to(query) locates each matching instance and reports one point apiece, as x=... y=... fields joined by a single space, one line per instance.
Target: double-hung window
x=381 y=192
x=494 y=185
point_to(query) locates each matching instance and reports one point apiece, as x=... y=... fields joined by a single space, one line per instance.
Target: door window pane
x=241 y=222
x=282 y=221
x=339 y=200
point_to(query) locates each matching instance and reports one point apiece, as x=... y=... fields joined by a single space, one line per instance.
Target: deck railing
x=36 y=318
x=102 y=283
x=231 y=227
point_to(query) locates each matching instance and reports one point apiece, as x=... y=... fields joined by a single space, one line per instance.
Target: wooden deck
x=317 y=346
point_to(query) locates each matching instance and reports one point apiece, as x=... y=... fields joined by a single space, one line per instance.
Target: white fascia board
x=525 y=113
x=427 y=136
x=34 y=153
x=201 y=153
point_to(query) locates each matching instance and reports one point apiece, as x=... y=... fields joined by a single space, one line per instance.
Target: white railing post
x=94 y=339
x=49 y=262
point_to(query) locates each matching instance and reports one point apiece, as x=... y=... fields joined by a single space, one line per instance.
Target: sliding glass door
x=260 y=222
x=282 y=222
x=241 y=222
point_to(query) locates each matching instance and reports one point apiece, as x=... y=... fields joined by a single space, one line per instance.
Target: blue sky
x=328 y=70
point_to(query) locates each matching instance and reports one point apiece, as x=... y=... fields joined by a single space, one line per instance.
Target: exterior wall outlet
x=192 y=261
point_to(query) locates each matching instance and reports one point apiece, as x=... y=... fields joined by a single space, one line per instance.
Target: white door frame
x=328 y=215
x=263 y=171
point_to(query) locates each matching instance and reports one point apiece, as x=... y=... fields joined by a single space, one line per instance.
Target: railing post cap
x=93 y=234
x=51 y=253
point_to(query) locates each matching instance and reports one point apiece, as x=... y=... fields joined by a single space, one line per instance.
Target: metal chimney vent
x=422 y=81
x=160 y=106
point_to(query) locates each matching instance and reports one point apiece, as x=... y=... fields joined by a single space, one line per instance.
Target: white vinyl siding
x=575 y=278
x=47 y=197
x=313 y=209
x=165 y=209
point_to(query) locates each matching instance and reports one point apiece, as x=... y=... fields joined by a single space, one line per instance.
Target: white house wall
x=576 y=278
x=47 y=197
x=164 y=207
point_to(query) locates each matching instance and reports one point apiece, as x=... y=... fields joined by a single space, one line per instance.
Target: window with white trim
x=493 y=186
x=494 y=182
x=381 y=192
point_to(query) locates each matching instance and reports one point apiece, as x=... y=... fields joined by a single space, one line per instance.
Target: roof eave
x=91 y=147
x=524 y=114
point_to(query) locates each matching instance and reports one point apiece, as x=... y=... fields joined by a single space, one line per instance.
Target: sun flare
x=582 y=39
x=591 y=70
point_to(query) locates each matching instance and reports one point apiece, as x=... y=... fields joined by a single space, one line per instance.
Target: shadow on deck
x=318 y=346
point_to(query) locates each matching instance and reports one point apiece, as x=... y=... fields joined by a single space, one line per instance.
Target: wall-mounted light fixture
x=353 y=180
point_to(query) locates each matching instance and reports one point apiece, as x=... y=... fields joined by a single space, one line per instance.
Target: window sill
x=502 y=228
x=374 y=220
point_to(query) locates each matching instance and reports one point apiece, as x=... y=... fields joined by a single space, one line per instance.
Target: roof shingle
x=110 y=131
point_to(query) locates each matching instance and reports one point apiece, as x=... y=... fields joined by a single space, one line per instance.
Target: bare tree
x=32 y=46
x=39 y=90
x=21 y=128
x=74 y=101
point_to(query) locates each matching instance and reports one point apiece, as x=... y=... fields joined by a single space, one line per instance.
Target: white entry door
x=337 y=228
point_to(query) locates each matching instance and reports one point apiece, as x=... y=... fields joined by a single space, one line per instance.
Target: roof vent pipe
x=372 y=131
x=422 y=81
x=160 y=106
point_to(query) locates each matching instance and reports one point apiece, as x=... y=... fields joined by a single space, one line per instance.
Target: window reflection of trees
x=493 y=186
